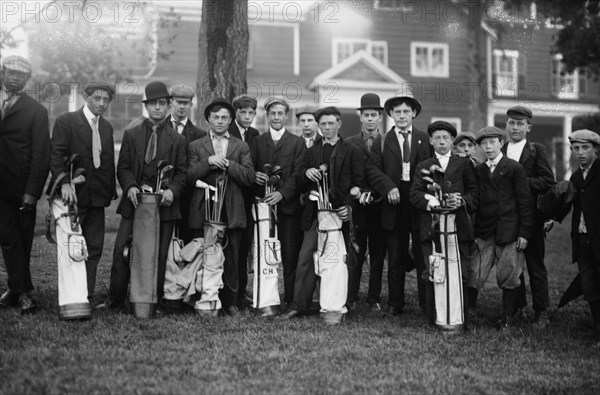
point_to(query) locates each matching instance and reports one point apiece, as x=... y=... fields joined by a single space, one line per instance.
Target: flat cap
x=182 y=91
x=93 y=86
x=306 y=110
x=331 y=110
x=276 y=100
x=244 y=98
x=519 y=112
x=584 y=136
x=489 y=131
x=17 y=63
x=441 y=125
x=464 y=135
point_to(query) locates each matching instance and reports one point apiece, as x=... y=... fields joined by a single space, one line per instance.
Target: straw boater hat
x=399 y=96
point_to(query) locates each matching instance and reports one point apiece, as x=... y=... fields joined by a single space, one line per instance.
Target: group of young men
x=495 y=201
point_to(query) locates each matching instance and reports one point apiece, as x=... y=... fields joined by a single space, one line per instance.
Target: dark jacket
x=534 y=160
x=190 y=131
x=346 y=169
x=240 y=174
x=384 y=169
x=251 y=133
x=459 y=177
x=24 y=149
x=289 y=154
x=72 y=134
x=171 y=147
x=505 y=210
x=586 y=200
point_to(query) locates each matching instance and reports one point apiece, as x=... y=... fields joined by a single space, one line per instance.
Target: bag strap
x=49 y=216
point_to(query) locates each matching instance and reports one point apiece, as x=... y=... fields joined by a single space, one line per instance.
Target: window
x=344 y=48
x=455 y=121
x=506 y=72
x=389 y=5
x=567 y=85
x=429 y=60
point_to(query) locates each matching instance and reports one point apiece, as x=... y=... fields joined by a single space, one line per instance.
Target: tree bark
x=476 y=39
x=223 y=52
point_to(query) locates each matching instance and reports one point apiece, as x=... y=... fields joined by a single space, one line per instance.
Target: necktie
x=310 y=142
x=96 y=143
x=369 y=143
x=244 y=135
x=405 y=147
x=492 y=166
x=178 y=126
x=151 y=148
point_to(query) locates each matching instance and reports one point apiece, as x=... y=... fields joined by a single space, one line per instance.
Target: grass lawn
x=116 y=353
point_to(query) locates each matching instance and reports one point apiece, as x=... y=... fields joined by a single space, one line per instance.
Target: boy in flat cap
x=24 y=165
x=464 y=146
x=503 y=223
x=181 y=103
x=209 y=157
x=461 y=185
x=585 y=225
x=534 y=159
x=390 y=172
x=245 y=111
x=144 y=144
x=309 y=129
x=87 y=134
x=280 y=148
x=367 y=216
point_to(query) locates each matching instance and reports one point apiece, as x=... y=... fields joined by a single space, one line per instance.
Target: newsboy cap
x=306 y=110
x=584 y=136
x=489 y=131
x=441 y=125
x=219 y=101
x=17 y=63
x=464 y=135
x=93 y=86
x=519 y=112
x=276 y=100
x=183 y=91
x=156 y=90
x=331 y=110
x=243 y=101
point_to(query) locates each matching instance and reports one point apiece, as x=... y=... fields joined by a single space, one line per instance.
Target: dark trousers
x=245 y=243
x=16 y=238
x=92 y=228
x=538 y=275
x=304 y=285
x=229 y=293
x=119 y=272
x=372 y=235
x=290 y=237
x=589 y=268
x=397 y=243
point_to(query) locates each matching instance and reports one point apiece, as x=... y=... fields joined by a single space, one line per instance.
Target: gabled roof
x=360 y=70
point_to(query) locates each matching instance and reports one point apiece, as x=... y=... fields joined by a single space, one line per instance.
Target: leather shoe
x=374 y=306
x=109 y=304
x=9 y=299
x=26 y=303
x=233 y=311
x=393 y=311
x=289 y=315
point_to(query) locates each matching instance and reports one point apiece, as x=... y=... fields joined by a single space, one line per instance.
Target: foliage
x=589 y=121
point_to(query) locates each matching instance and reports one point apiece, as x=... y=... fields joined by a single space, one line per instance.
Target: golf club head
x=314 y=196
x=277 y=170
x=324 y=167
x=161 y=164
x=167 y=169
x=73 y=158
x=201 y=184
x=274 y=180
x=146 y=188
x=426 y=172
x=80 y=171
x=267 y=169
x=80 y=179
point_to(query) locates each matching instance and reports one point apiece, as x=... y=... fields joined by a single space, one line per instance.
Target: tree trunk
x=476 y=38
x=223 y=52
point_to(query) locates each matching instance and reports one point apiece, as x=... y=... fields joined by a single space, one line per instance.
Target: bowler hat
x=441 y=125
x=489 y=131
x=306 y=110
x=182 y=91
x=370 y=101
x=519 y=112
x=276 y=100
x=93 y=86
x=156 y=90
x=464 y=135
x=17 y=63
x=331 y=110
x=401 y=95
x=219 y=101
x=584 y=136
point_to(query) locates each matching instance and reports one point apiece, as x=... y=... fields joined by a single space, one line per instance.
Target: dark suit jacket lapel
x=499 y=170
x=140 y=142
x=452 y=166
x=17 y=106
x=415 y=146
x=231 y=148
x=282 y=141
x=84 y=130
x=392 y=145
x=337 y=159
x=526 y=153
x=165 y=141
x=592 y=173
x=207 y=143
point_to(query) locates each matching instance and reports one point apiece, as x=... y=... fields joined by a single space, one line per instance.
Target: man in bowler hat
x=144 y=145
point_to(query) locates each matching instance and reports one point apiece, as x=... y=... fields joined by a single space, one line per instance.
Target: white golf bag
x=266 y=257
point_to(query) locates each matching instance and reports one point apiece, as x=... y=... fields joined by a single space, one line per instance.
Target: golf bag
x=330 y=265
x=175 y=265
x=266 y=256
x=72 y=252
x=144 y=256
x=445 y=273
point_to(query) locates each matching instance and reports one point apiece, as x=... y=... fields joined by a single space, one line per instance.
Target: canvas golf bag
x=330 y=265
x=445 y=273
x=266 y=257
x=173 y=290
x=144 y=256
x=71 y=256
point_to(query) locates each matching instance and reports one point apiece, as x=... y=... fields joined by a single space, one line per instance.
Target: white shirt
x=492 y=163
x=514 y=150
x=443 y=159
x=90 y=116
x=180 y=124
x=276 y=134
x=223 y=140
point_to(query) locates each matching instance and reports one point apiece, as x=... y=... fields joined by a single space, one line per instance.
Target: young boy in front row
x=585 y=230
x=503 y=222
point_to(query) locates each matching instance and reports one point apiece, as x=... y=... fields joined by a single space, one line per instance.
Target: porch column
x=72 y=97
x=567 y=126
